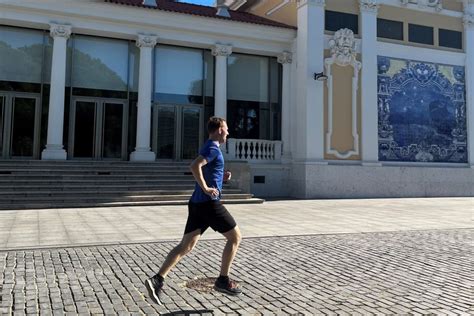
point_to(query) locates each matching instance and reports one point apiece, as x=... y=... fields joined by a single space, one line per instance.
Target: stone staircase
x=34 y=184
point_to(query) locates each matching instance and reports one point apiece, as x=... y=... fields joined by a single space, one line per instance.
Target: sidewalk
x=318 y=257
x=53 y=227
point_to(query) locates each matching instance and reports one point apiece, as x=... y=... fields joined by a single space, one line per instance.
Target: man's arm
x=196 y=169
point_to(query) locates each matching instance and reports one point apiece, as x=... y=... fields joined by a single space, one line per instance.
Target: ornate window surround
x=343 y=50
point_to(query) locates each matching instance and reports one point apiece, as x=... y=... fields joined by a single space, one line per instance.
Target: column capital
x=60 y=30
x=285 y=58
x=302 y=3
x=369 y=6
x=221 y=50
x=146 y=40
x=468 y=21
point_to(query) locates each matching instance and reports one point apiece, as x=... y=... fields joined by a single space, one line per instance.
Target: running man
x=205 y=210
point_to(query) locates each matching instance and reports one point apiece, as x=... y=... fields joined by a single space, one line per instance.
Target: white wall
x=354 y=181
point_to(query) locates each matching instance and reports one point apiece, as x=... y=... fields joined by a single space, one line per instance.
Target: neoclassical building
x=323 y=98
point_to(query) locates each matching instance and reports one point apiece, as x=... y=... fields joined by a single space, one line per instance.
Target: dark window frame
x=340 y=15
x=394 y=23
x=413 y=28
x=450 y=33
x=258 y=107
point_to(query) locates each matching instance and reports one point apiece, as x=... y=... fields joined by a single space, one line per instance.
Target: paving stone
x=410 y=272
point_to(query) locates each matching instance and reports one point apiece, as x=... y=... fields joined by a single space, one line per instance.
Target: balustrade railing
x=252 y=150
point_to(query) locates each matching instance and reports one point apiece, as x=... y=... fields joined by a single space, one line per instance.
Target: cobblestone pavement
x=409 y=272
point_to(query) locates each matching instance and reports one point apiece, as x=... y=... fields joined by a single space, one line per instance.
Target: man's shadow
x=190 y=313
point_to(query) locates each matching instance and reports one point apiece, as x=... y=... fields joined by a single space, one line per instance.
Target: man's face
x=223 y=133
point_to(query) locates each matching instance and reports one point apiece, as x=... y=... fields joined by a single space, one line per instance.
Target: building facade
x=323 y=98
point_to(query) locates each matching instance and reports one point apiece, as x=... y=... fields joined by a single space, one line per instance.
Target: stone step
x=93 y=162
x=46 y=193
x=52 y=184
x=101 y=171
x=90 y=164
x=188 y=181
x=109 y=198
x=103 y=187
x=116 y=204
x=89 y=177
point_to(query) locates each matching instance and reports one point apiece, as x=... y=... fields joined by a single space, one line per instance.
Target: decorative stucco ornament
x=343 y=47
x=368 y=5
x=468 y=20
x=221 y=50
x=437 y=4
x=60 y=30
x=285 y=58
x=146 y=41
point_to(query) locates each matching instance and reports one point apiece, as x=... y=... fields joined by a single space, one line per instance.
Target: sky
x=201 y=2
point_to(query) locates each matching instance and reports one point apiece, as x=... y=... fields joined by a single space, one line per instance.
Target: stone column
x=220 y=90
x=469 y=42
x=143 y=152
x=369 y=99
x=285 y=59
x=54 y=145
x=310 y=93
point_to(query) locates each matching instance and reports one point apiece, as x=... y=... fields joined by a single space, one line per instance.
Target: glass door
x=114 y=133
x=177 y=131
x=191 y=129
x=23 y=127
x=19 y=125
x=84 y=137
x=165 y=132
x=98 y=129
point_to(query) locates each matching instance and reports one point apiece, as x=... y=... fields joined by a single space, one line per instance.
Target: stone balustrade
x=252 y=150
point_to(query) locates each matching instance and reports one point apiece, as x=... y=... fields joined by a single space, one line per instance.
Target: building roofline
x=203 y=11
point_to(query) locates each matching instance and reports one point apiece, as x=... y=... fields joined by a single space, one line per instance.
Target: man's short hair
x=214 y=123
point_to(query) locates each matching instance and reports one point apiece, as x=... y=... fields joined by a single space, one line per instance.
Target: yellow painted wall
x=346 y=6
x=454 y=5
x=286 y=14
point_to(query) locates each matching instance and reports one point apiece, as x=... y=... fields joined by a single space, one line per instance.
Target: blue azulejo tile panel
x=422 y=111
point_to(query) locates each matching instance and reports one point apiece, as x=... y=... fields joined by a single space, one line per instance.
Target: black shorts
x=209 y=214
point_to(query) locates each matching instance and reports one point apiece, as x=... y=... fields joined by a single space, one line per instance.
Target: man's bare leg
x=230 y=250
x=223 y=283
x=183 y=248
x=154 y=285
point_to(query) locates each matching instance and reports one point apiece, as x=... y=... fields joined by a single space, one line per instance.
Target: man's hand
x=227 y=175
x=212 y=192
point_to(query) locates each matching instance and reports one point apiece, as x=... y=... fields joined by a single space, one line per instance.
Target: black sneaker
x=228 y=287
x=154 y=286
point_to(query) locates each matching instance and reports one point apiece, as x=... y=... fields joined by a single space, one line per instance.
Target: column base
x=54 y=152
x=142 y=156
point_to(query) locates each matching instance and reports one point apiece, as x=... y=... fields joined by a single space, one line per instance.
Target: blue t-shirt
x=213 y=171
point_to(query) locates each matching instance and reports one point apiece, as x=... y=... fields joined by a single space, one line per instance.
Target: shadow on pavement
x=190 y=313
